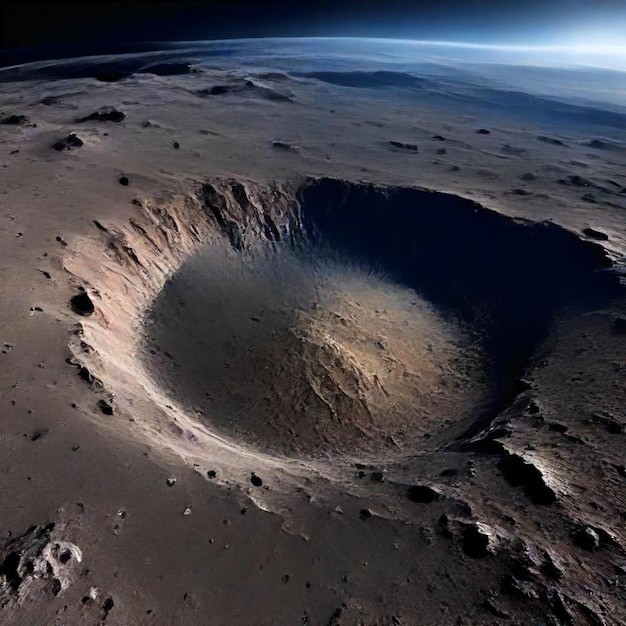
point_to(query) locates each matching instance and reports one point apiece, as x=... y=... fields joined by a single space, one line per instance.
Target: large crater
x=361 y=319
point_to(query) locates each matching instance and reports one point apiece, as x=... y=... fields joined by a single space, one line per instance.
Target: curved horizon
x=610 y=56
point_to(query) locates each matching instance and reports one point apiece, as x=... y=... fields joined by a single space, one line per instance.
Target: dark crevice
x=9 y=569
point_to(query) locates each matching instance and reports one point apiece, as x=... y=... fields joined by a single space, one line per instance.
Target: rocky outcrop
x=106 y=114
x=520 y=472
x=71 y=141
x=36 y=562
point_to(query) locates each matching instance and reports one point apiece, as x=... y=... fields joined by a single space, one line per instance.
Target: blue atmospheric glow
x=609 y=54
x=599 y=48
x=595 y=45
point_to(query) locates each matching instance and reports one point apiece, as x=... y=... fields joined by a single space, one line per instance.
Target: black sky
x=25 y=23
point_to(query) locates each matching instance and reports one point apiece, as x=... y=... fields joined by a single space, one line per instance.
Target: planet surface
x=313 y=331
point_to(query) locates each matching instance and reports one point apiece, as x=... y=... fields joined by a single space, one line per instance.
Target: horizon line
x=597 y=48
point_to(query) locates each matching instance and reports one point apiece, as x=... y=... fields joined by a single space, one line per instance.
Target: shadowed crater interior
x=356 y=318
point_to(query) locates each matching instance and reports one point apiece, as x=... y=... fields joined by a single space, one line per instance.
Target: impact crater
x=358 y=319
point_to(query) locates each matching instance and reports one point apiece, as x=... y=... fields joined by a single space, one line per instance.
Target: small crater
x=550 y=569
x=283 y=145
x=411 y=147
x=475 y=542
x=598 y=235
x=550 y=140
x=216 y=90
x=38 y=434
x=105 y=406
x=587 y=539
x=65 y=556
x=55 y=586
x=558 y=427
x=575 y=181
x=365 y=514
x=14 y=120
x=422 y=494
x=50 y=100
x=82 y=304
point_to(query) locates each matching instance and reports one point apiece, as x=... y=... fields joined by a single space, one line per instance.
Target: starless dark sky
x=27 y=23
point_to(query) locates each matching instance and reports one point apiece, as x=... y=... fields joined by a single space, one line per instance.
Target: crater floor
x=306 y=355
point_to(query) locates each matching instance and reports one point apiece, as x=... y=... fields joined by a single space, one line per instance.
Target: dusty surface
x=302 y=356
x=358 y=453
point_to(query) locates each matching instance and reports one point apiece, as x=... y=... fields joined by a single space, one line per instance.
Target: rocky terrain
x=288 y=347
